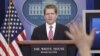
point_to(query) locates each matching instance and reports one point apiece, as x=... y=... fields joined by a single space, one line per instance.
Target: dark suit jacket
x=39 y=33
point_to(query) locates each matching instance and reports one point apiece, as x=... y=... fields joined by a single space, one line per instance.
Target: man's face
x=50 y=16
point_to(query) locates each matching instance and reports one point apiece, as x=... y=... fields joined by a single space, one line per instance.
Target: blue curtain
x=2 y=11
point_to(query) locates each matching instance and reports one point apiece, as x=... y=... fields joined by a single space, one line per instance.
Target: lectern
x=45 y=47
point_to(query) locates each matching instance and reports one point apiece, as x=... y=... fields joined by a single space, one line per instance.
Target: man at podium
x=51 y=30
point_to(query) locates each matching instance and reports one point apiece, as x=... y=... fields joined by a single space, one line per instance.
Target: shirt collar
x=53 y=25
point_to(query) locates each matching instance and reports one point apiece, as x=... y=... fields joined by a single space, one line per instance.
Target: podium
x=46 y=47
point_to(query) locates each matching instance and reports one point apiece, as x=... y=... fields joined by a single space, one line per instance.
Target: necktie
x=50 y=33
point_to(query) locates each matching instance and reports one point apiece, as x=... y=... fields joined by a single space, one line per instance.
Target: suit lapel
x=44 y=32
x=56 y=29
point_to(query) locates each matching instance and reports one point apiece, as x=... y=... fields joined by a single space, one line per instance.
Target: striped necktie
x=50 y=37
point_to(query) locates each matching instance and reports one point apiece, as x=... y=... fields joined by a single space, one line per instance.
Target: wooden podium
x=45 y=47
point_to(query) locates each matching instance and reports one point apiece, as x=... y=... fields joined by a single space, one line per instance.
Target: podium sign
x=45 y=47
x=48 y=50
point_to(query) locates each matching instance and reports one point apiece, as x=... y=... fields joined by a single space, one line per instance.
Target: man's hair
x=50 y=6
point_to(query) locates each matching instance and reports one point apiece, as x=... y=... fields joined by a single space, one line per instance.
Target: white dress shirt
x=48 y=28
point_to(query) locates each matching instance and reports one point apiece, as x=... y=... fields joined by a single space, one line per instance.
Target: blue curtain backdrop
x=2 y=11
x=91 y=4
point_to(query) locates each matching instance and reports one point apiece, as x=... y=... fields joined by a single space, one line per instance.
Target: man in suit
x=42 y=32
x=52 y=30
